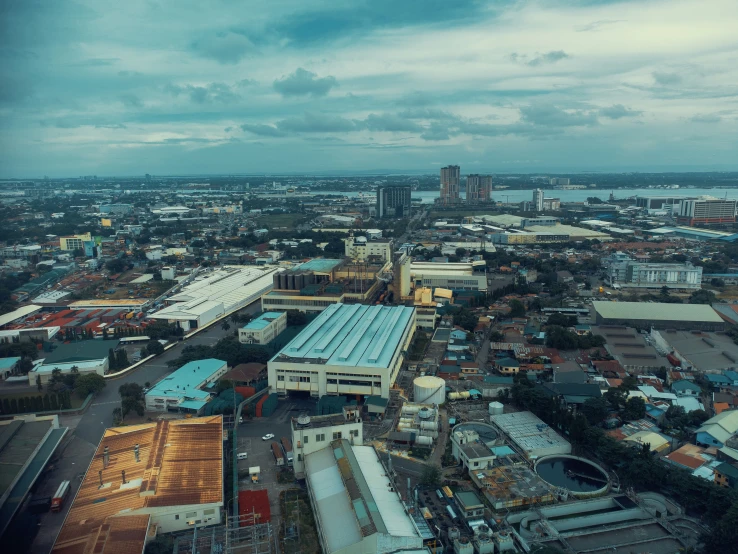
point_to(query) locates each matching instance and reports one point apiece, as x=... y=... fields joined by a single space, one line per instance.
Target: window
x=176 y=516
x=354 y=433
x=209 y=512
x=305 y=440
x=188 y=515
x=337 y=435
x=299 y=457
x=280 y=377
x=320 y=437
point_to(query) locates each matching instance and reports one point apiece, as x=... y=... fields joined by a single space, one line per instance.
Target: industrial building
x=624 y=272
x=347 y=349
x=144 y=480
x=454 y=276
x=27 y=443
x=215 y=293
x=530 y=435
x=364 y=249
x=698 y=351
x=707 y=211
x=658 y=315
x=312 y=433
x=263 y=329
x=419 y=423
x=394 y=201
x=181 y=391
x=355 y=510
x=87 y=356
x=512 y=486
x=634 y=351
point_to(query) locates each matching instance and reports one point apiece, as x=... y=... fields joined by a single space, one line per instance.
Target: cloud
x=415 y=99
x=435 y=132
x=426 y=113
x=206 y=94
x=110 y=126
x=666 y=79
x=597 y=25
x=303 y=83
x=317 y=123
x=263 y=130
x=128 y=73
x=618 y=111
x=553 y=116
x=706 y=118
x=539 y=59
x=390 y=122
x=131 y=101
x=224 y=47
x=96 y=62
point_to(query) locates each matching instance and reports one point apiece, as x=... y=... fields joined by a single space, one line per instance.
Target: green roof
x=80 y=351
x=728 y=469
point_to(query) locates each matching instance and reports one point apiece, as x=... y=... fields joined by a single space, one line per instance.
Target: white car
x=267 y=437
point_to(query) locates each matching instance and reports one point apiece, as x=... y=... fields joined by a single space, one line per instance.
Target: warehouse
x=215 y=293
x=658 y=315
x=531 y=435
x=454 y=276
x=182 y=391
x=347 y=349
x=699 y=351
x=355 y=509
x=145 y=480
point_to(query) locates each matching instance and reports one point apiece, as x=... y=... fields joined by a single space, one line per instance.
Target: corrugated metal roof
x=180 y=463
x=657 y=311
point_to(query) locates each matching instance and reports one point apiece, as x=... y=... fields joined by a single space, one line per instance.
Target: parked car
x=267 y=437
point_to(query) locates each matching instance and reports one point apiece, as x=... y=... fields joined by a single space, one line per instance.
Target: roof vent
x=303 y=419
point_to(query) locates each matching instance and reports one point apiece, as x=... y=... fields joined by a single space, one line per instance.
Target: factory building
x=312 y=433
x=263 y=329
x=454 y=276
x=347 y=349
x=363 y=249
x=355 y=511
x=658 y=315
x=182 y=391
x=530 y=434
x=215 y=293
x=143 y=480
x=623 y=271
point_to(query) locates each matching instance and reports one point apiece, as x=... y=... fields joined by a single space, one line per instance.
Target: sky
x=308 y=86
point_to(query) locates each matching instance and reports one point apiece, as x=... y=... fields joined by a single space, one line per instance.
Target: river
x=580 y=195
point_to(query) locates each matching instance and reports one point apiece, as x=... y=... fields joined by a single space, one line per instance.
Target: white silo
x=496 y=408
x=429 y=390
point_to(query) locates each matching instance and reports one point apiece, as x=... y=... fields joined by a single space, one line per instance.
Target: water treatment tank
x=463 y=545
x=504 y=541
x=429 y=390
x=425 y=413
x=496 y=408
x=453 y=533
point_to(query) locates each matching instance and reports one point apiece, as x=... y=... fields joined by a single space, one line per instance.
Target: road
x=83 y=440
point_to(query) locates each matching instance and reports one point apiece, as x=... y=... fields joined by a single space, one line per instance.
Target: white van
x=242 y=455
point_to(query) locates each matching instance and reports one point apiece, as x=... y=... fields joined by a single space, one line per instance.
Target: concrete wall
x=174 y=518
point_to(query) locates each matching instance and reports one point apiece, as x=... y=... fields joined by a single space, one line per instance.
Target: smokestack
x=135 y=452
x=99 y=473
x=106 y=458
x=123 y=472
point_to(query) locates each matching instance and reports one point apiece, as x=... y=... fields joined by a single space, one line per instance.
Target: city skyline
x=617 y=86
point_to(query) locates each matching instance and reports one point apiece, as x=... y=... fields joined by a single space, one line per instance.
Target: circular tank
x=429 y=390
x=425 y=413
x=485 y=431
x=577 y=475
x=454 y=533
x=496 y=408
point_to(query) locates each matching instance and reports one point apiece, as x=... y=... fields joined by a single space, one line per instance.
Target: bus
x=57 y=501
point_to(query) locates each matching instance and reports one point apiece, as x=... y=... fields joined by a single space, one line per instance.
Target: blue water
x=507 y=196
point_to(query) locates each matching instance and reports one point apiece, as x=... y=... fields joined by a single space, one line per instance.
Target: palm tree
x=225 y=325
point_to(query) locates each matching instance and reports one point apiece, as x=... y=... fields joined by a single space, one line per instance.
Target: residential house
x=717 y=430
x=685 y=388
x=507 y=366
x=726 y=475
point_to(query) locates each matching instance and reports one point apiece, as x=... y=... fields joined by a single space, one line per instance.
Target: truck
x=57 y=501
x=254 y=472
x=287 y=449
x=278 y=456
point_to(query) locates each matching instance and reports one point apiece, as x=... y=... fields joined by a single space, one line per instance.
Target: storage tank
x=410 y=409
x=429 y=390
x=429 y=425
x=453 y=533
x=426 y=413
x=496 y=408
x=504 y=541
x=483 y=544
x=463 y=545
x=464 y=395
x=453 y=396
x=423 y=440
x=167 y=273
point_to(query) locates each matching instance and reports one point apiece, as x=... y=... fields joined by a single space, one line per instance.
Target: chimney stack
x=106 y=457
x=123 y=472
x=99 y=473
x=135 y=452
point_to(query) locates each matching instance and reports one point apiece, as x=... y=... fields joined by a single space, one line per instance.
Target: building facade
x=263 y=329
x=74 y=242
x=394 y=201
x=293 y=300
x=348 y=349
x=363 y=249
x=538 y=197
x=706 y=212
x=478 y=188
x=627 y=273
x=450 y=177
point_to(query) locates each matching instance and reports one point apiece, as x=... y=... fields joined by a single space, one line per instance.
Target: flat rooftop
x=350 y=335
x=80 y=351
x=263 y=320
x=629 y=347
x=657 y=311
x=180 y=464
x=186 y=380
x=320 y=265
x=528 y=431
x=702 y=349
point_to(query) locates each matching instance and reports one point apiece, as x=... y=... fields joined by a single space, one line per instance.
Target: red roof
x=684 y=460
x=253 y=507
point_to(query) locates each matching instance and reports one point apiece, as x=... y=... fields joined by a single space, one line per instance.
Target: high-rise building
x=538 y=200
x=450 y=177
x=393 y=201
x=709 y=211
x=478 y=188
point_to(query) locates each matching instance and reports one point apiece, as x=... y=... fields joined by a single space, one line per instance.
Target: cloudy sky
x=230 y=86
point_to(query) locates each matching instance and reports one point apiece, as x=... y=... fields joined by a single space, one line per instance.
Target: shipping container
x=259 y=405
x=246 y=392
x=270 y=405
x=287 y=449
x=57 y=501
x=278 y=456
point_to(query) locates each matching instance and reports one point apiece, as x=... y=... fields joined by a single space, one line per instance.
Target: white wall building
x=292 y=300
x=263 y=329
x=347 y=349
x=362 y=249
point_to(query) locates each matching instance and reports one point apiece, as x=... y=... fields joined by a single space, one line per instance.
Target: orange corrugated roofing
x=180 y=463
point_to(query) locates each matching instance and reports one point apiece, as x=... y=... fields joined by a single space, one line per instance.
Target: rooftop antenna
x=106 y=458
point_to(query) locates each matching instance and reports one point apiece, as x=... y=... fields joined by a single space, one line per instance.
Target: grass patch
x=298 y=515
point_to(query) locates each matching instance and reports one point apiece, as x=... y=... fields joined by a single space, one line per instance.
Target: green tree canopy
x=89 y=383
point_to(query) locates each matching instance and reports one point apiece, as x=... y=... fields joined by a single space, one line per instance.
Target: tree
x=132 y=398
x=635 y=408
x=225 y=325
x=517 y=308
x=296 y=317
x=39 y=386
x=25 y=365
x=431 y=475
x=616 y=397
x=121 y=359
x=595 y=410
x=89 y=383
x=723 y=536
x=703 y=296
x=154 y=348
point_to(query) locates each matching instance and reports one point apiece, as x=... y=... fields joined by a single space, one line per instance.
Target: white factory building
x=263 y=329
x=530 y=435
x=215 y=293
x=454 y=276
x=355 y=510
x=363 y=249
x=347 y=349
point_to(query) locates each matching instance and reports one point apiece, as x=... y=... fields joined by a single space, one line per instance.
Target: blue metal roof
x=320 y=265
x=185 y=381
x=7 y=363
x=262 y=321
x=351 y=335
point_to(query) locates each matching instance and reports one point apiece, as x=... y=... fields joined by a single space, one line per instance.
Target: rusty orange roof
x=179 y=464
x=720 y=407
